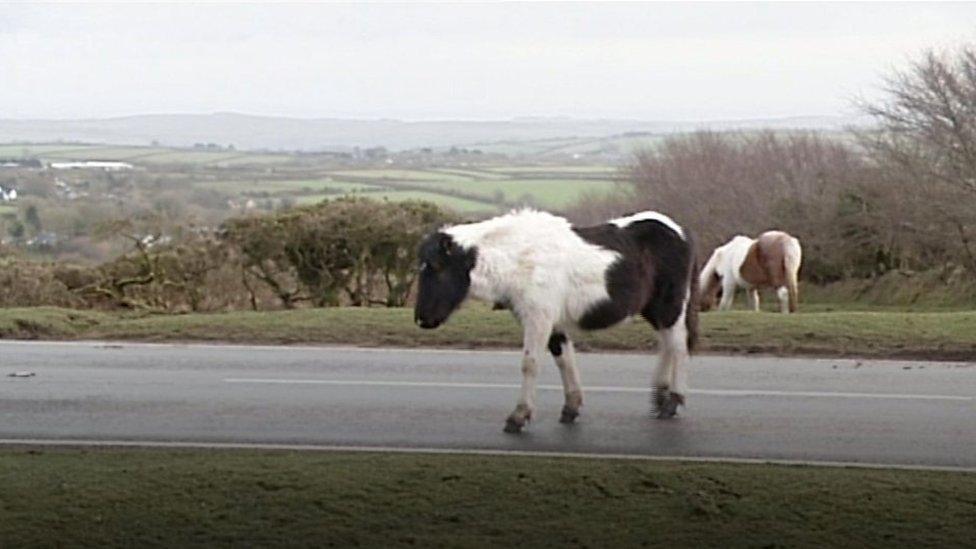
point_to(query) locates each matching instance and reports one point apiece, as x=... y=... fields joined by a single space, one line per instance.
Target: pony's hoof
x=668 y=409
x=513 y=426
x=665 y=403
x=569 y=415
x=517 y=419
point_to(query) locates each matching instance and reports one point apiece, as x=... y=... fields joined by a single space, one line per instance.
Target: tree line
x=349 y=251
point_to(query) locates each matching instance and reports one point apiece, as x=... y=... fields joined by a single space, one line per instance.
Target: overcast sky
x=474 y=61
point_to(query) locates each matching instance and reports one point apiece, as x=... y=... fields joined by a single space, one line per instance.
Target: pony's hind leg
x=783 y=293
x=561 y=348
x=536 y=334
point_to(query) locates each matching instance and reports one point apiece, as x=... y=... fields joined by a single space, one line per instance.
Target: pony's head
x=445 y=277
x=711 y=291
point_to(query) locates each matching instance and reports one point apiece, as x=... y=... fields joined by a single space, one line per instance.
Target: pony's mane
x=526 y=220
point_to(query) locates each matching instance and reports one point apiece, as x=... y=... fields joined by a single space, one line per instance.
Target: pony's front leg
x=562 y=350
x=753 y=295
x=728 y=293
x=536 y=334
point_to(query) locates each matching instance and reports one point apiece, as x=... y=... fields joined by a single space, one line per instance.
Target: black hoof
x=665 y=404
x=668 y=409
x=569 y=415
x=513 y=426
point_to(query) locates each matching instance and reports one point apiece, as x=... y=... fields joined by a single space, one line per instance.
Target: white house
x=92 y=164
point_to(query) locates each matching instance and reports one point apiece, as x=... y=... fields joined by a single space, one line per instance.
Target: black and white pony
x=557 y=279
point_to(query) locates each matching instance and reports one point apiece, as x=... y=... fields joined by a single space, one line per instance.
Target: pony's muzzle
x=425 y=324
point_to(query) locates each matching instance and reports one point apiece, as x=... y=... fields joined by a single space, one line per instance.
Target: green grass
x=549 y=193
x=7 y=208
x=192 y=157
x=17 y=150
x=471 y=173
x=555 y=192
x=139 y=498
x=589 y=170
x=140 y=154
x=248 y=159
x=105 y=153
x=286 y=186
x=402 y=175
x=933 y=335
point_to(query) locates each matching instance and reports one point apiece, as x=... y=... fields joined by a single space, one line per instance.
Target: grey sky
x=476 y=61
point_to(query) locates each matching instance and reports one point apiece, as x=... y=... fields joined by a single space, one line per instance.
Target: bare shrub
x=723 y=184
x=925 y=141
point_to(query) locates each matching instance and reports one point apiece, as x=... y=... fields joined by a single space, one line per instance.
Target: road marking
x=198 y=445
x=593 y=389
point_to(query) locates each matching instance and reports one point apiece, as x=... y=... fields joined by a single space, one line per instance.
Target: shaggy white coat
x=533 y=260
x=550 y=277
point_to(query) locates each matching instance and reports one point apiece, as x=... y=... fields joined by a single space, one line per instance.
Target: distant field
x=600 y=170
x=121 y=154
x=286 y=186
x=488 y=184
x=7 y=208
x=488 y=188
x=38 y=150
x=468 y=190
x=549 y=193
x=471 y=173
x=192 y=157
x=135 y=154
x=455 y=203
x=403 y=175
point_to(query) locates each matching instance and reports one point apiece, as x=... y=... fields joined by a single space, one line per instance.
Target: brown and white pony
x=770 y=261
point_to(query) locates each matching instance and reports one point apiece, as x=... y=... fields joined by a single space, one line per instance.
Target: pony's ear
x=446 y=244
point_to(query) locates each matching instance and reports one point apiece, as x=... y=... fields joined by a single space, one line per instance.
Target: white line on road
x=465 y=451
x=594 y=389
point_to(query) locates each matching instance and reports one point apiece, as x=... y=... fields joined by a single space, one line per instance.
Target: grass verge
x=932 y=335
x=70 y=498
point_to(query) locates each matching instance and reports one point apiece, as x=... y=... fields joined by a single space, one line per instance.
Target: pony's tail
x=692 y=303
x=791 y=264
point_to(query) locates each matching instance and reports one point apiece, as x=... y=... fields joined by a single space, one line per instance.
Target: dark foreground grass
x=933 y=335
x=139 y=498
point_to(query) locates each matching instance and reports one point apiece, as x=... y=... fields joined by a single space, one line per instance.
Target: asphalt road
x=880 y=412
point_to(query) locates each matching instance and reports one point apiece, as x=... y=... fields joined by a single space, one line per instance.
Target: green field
x=223 y=498
x=548 y=193
x=139 y=154
x=533 y=187
x=484 y=189
x=26 y=150
x=588 y=170
x=287 y=186
x=933 y=335
x=402 y=175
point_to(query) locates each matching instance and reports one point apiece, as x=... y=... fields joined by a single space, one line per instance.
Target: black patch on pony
x=654 y=273
x=556 y=342
x=445 y=278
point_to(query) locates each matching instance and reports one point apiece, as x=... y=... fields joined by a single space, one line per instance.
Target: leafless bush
x=925 y=142
x=723 y=184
